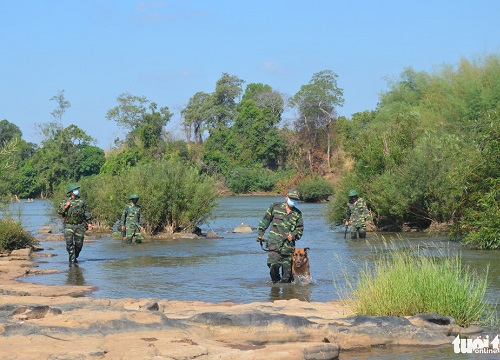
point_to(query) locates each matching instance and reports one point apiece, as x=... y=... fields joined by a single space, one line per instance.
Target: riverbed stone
x=435 y=322
x=23 y=253
x=243 y=229
x=385 y=330
x=323 y=351
x=45 y=230
x=55 y=237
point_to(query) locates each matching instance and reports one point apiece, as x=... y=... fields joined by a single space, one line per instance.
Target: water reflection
x=75 y=275
x=290 y=291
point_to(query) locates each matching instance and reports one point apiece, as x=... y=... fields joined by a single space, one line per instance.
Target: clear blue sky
x=167 y=50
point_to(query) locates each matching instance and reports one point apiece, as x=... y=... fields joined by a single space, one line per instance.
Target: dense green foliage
x=13 y=236
x=253 y=139
x=405 y=282
x=173 y=196
x=245 y=180
x=429 y=154
x=315 y=189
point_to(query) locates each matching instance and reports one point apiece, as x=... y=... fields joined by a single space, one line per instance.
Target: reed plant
x=409 y=281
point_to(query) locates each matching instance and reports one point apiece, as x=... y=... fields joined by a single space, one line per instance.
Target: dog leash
x=262 y=246
x=267 y=246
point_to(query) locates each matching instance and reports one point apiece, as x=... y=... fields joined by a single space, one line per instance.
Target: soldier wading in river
x=76 y=219
x=287 y=227
x=358 y=216
x=132 y=220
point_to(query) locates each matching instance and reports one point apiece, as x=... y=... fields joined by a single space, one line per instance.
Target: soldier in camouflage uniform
x=132 y=220
x=76 y=219
x=357 y=216
x=287 y=227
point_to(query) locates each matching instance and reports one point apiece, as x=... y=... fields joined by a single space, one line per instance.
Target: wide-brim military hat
x=72 y=187
x=293 y=194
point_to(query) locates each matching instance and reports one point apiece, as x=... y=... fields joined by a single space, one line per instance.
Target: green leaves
x=429 y=152
x=173 y=196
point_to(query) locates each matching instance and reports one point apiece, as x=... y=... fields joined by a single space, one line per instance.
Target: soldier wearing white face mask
x=287 y=226
x=76 y=218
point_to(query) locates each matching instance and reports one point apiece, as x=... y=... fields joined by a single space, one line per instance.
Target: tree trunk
x=328 y=149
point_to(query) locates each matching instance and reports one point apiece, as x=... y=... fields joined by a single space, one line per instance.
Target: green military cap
x=353 y=193
x=293 y=194
x=133 y=196
x=72 y=187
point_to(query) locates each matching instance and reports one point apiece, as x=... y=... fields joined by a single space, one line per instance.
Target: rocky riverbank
x=66 y=322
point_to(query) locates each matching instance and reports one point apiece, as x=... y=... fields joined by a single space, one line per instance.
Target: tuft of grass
x=409 y=281
x=13 y=236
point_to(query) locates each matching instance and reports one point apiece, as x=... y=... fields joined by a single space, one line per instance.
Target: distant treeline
x=428 y=156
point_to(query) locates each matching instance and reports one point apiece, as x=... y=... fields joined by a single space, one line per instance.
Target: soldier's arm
x=299 y=229
x=123 y=219
x=266 y=221
x=366 y=212
x=142 y=223
x=61 y=210
x=88 y=216
x=348 y=214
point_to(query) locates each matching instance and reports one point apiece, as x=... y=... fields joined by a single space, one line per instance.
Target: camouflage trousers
x=131 y=232
x=358 y=231
x=277 y=261
x=74 y=235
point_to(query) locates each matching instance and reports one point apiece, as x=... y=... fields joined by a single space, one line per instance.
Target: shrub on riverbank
x=315 y=189
x=13 y=236
x=173 y=196
x=406 y=282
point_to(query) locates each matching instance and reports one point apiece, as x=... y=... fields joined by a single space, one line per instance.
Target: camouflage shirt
x=78 y=212
x=357 y=213
x=132 y=216
x=282 y=224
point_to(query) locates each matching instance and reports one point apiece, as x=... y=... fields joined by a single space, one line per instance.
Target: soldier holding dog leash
x=287 y=226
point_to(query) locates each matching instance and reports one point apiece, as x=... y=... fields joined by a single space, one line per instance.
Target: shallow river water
x=233 y=268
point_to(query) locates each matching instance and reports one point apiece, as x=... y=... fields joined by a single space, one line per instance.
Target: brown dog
x=300 y=265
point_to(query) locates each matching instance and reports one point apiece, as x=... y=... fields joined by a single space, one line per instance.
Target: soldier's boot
x=71 y=252
x=287 y=274
x=78 y=249
x=275 y=273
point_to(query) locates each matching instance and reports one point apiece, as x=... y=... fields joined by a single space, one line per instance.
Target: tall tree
x=8 y=131
x=62 y=106
x=196 y=116
x=68 y=156
x=49 y=130
x=145 y=128
x=255 y=128
x=129 y=112
x=227 y=89
x=317 y=103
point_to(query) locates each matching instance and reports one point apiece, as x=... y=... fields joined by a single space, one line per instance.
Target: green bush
x=405 y=282
x=244 y=180
x=481 y=224
x=118 y=162
x=315 y=189
x=173 y=196
x=13 y=236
